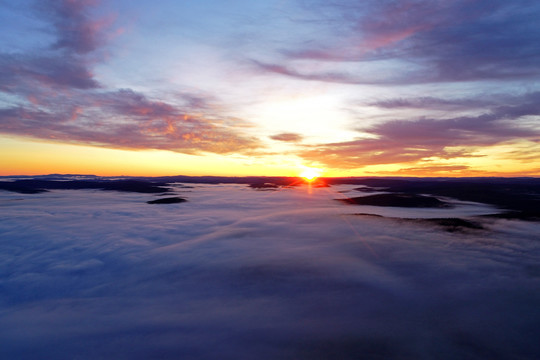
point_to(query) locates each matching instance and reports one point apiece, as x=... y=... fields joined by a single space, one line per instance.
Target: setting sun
x=310 y=174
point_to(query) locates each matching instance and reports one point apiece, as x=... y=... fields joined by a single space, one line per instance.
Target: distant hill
x=519 y=196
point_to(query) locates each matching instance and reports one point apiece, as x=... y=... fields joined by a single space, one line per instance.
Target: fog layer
x=236 y=273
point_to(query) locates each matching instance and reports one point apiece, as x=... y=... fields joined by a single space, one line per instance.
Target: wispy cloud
x=434 y=169
x=67 y=62
x=402 y=141
x=76 y=30
x=22 y=73
x=287 y=137
x=190 y=83
x=61 y=99
x=429 y=102
x=445 y=42
x=126 y=119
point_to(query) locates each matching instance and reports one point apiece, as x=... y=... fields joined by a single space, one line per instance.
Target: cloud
x=129 y=120
x=76 y=31
x=22 y=73
x=431 y=41
x=287 y=137
x=66 y=63
x=239 y=273
x=429 y=102
x=59 y=98
x=433 y=169
x=333 y=77
x=402 y=141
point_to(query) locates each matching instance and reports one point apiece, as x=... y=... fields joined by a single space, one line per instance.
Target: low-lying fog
x=237 y=273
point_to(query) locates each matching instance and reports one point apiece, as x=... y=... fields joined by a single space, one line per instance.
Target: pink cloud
x=126 y=119
x=65 y=102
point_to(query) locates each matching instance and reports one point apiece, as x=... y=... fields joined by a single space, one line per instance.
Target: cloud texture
x=406 y=140
x=347 y=84
x=441 y=41
x=59 y=97
x=240 y=274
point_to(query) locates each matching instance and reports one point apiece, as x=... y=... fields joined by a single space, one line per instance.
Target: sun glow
x=310 y=174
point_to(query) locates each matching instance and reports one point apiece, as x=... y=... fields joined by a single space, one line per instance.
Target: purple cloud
x=22 y=73
x=60 y=98
x=287 y=137
x=447 y=41
x=65 y=63
x=289 y=70
x=401 y=141
x=126 y=119
x=429 y=102
x=76 y=31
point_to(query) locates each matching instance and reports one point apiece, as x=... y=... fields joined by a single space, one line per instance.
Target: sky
x=236 y=273
x=270 y=87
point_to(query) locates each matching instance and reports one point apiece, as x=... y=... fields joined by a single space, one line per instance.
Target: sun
x=310 y=174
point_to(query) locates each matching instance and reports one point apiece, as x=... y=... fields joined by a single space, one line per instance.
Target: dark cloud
x=287 y=137
x=446 y=41
x=400 y=141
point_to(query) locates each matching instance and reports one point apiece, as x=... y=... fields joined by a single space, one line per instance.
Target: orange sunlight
x=310 y=174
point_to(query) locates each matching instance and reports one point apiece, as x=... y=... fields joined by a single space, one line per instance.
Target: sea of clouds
x=236 y=273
